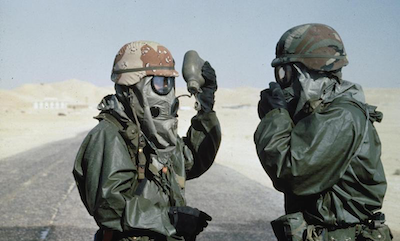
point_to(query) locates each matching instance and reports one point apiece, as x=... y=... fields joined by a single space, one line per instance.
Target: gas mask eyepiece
x=162 y=85
x=285 y=75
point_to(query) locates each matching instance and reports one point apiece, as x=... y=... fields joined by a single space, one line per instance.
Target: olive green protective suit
x=107 y=175
x=328 y=164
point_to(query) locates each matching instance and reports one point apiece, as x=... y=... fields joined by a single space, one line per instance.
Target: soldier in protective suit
x=317 y=142
x=131 y=168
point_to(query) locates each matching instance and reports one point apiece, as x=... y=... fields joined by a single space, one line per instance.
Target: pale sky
x=45 y=41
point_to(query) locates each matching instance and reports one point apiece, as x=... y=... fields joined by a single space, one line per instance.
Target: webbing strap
x=140 y=187
x=142 y=164
x=141 y=157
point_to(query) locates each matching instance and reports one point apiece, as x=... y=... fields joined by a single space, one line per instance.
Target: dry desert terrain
x=36 y=114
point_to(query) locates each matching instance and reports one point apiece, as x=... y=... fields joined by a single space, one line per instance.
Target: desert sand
x=22 y=127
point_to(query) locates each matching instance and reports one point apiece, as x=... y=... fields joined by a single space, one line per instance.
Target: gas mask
x=304 y=90
x=315 y=88
x=153 y=101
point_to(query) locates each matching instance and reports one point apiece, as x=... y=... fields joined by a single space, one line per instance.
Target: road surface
x=39 y=200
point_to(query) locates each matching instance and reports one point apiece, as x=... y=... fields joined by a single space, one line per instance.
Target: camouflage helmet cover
x=138 y=59
x=317 y=46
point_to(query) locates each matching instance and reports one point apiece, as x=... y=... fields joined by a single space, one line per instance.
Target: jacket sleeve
x=107 y=179
x=203 y=139
x=313 y=155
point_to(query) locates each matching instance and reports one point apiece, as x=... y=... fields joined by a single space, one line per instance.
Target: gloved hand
x=188 y=221
x=271 y=98
x=206 y=98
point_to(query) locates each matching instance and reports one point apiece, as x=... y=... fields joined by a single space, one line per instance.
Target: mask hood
x=154 y=111
x=315 y=88
x=111 y=103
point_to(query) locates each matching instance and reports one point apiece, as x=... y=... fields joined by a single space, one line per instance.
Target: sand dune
x=22 y=127
x=73 y=91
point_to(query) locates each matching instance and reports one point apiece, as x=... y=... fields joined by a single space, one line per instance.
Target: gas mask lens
x=284 y=75
x=162 y=85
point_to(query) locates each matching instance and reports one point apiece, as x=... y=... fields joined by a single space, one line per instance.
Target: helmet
x=317 y=46
x=138 y=59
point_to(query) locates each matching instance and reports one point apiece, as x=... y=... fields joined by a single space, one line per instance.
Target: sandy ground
x=22 y=127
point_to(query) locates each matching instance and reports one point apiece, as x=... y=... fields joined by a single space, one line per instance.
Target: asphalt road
x=39 y=200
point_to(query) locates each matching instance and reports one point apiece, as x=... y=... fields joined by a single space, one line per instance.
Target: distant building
x=50 y=103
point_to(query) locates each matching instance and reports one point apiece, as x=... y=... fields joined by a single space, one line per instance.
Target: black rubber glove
x=271 y=98
x=188 y=221
x=206 y=98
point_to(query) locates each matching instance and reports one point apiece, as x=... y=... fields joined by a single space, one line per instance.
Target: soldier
x=131 y=168
x=317 y=142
